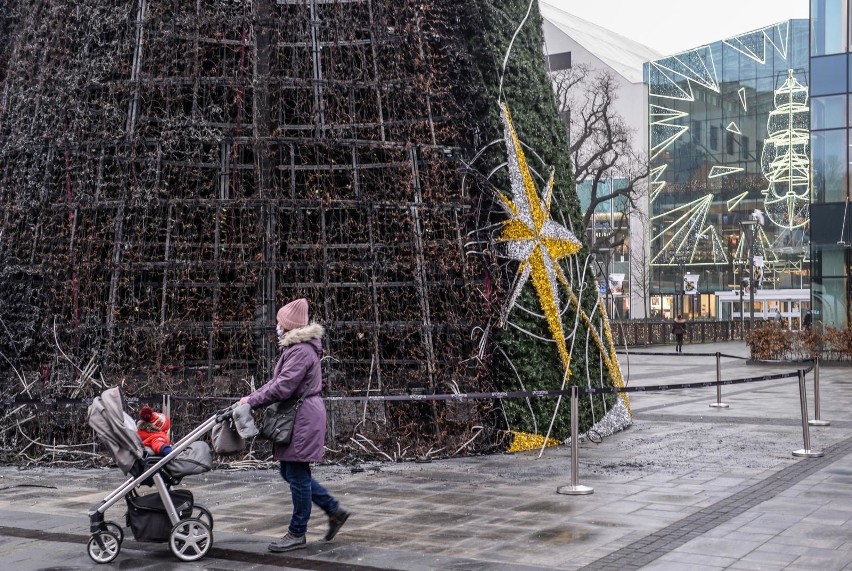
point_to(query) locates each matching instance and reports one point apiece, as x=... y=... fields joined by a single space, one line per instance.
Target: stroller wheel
x=190 y=539
x=116 y=530
x=202 y=513
x=103 y=547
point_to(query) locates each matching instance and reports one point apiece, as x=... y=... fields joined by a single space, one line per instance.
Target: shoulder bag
x=279 y=417
x=225 y=438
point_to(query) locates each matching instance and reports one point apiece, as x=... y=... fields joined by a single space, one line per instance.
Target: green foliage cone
x=521 y=360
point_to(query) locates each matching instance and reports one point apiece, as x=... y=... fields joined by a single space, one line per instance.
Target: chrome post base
x=808 y=453
x=719 y=405
x=816 y=422
x=578 y=490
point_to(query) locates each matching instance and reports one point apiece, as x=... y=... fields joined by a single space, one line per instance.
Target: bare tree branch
x=602 y=151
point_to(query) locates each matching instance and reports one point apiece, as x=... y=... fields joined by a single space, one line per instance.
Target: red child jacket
x=155 y=433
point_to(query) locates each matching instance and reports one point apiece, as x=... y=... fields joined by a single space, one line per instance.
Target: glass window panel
x=828 y=75
x=828 y=112
x=849 y=75
x=584 y=193
x=828 y=162
x=828 y=27
x=829 y=301
x=833 y=262
x=827 y=227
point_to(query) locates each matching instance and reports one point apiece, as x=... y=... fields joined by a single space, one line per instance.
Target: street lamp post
x=742 y=309
x=749 y=227
x=678 y=292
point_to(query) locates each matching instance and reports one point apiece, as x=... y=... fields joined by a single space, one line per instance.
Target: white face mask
x=279 y=331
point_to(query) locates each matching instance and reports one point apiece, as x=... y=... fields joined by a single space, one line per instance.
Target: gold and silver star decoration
x=533 y=238
x=538 y=242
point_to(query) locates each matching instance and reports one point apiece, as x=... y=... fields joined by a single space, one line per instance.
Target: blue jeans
x=305 y=491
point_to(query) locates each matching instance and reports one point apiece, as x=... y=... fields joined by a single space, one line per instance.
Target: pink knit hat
x=293 y=315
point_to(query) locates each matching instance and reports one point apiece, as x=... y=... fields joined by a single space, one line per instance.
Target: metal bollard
x=718 y=403
x=575 y=489
x=805 y=452
x=167 y=409
x=816 y=420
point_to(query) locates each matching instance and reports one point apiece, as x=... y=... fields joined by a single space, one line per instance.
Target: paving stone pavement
x=686 y=487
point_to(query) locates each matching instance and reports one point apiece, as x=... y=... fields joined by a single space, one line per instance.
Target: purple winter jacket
x=298 y=370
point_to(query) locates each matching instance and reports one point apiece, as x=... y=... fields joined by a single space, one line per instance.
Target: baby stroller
x=166 y=516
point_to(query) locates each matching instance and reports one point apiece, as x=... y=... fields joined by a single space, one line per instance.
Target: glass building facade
x=830 y=156
x=729 y=129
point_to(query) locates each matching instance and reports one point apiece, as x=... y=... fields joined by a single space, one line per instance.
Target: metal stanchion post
x=817 y=421
x=575 y=489
x=718 y=403
x=167 y=408
x=805 y=452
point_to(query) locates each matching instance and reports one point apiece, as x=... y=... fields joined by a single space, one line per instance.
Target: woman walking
x=298 y=372
x=679 y=329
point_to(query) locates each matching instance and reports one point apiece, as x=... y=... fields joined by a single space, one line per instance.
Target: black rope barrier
x=437 y=397
x=665 y=354
x=758 y=361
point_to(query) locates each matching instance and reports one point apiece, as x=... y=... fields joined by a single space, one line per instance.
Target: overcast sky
x=671 y=26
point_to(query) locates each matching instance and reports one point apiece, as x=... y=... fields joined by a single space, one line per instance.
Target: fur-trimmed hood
x=309 y=332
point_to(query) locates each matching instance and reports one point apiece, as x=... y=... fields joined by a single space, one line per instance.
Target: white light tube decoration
x=689 y=237
x=785 y=160
x=753 y=44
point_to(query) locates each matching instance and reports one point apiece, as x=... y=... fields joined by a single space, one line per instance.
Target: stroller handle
x=226 y=413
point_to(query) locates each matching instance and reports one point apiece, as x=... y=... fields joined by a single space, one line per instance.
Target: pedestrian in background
x=678 y=330
x=299 y=372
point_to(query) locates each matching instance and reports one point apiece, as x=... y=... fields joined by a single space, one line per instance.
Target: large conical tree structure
x=172 y=172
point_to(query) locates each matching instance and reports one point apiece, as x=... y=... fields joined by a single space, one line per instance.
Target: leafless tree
x=640 y=262
x=602 y=150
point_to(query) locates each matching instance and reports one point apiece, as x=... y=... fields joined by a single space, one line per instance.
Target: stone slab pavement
x=686 y=487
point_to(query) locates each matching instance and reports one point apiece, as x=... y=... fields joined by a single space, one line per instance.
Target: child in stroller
x=153 y=428
x=169 y=514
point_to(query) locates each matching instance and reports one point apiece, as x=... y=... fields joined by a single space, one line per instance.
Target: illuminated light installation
x=694 y=66
x=733 y=202
x=753 y=44
x=533 y=238
x=761 y=247
x=687 y=237
x=716 y=171
x=785 y=159
x=742 y=93
x=663 y=129
x=528 y=441
x=656 y=184
x=538 y=243
x=691 y=216
x=672 y=78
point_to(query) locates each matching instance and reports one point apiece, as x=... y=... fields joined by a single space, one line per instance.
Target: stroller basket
x=147 y=517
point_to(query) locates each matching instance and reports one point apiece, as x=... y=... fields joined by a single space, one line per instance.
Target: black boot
x=335 y=522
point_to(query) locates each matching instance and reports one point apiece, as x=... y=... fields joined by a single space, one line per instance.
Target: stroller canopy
x=109 y=421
